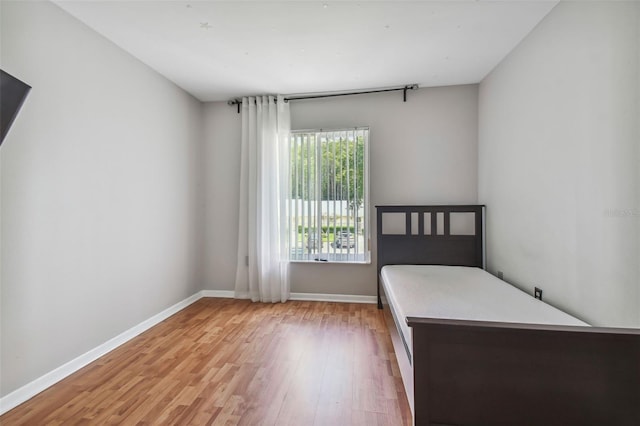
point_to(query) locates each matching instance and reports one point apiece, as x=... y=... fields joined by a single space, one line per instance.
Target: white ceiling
x=218 y=50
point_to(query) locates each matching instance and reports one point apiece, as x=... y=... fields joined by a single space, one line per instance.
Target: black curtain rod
x=404 y=89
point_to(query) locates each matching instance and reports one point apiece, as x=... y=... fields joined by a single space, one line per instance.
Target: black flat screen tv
x=13 y=92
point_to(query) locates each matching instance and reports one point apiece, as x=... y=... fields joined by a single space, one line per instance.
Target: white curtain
x=262 y=273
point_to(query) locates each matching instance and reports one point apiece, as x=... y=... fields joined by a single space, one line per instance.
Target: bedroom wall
x=100 y=204
x=558 y=161
x=422 y=151
x=222 y=141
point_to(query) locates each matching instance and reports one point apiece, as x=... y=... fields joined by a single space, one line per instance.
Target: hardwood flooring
x=232 y=362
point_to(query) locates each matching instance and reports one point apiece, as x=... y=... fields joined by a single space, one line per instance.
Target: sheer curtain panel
x=262 y=273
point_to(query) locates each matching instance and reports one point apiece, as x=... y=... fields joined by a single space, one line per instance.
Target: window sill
x=332 y=262
x=333 y=258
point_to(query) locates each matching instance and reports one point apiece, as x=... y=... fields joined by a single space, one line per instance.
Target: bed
x=474 y=350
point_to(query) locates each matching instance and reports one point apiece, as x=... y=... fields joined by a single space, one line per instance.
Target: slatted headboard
x=450 y=235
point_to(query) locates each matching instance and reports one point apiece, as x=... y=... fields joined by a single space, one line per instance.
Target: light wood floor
x=228 y=362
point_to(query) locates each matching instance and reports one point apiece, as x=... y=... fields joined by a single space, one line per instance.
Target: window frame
x=319 y=259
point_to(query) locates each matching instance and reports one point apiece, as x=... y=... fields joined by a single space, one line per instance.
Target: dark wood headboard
x=430 y=242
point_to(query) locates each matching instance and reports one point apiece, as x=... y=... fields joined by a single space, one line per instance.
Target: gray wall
x=558 y=161
x=422 y=151
x=222 y=136
x=100 y=193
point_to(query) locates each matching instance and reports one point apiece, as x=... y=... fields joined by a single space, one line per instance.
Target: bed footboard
x=482 y=373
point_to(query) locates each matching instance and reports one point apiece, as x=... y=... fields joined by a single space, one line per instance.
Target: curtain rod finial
x=237 y=102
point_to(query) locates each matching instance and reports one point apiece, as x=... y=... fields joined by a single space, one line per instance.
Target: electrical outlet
x=537 y=293
x=500 y=275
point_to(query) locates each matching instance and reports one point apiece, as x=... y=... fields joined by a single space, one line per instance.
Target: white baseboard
x=343 y=298
x=225 y=294
x=33 y=388
x=307 y=297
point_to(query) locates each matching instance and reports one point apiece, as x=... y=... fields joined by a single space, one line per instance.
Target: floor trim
x=307 y=297
x=33 y=388
x=225 y=294
x=343 y=298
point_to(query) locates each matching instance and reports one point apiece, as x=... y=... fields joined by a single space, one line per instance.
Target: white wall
x=222 y=143
x=558 y=161
x=422 y=151
x=100 y=193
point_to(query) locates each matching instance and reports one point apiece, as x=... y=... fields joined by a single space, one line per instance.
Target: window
x=329 y=189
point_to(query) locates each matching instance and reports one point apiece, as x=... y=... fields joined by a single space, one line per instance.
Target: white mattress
x=464 y=293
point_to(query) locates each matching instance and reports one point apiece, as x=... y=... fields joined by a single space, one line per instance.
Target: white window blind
x=329 y=190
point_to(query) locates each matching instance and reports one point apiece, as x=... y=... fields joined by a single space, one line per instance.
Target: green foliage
x=341 y=167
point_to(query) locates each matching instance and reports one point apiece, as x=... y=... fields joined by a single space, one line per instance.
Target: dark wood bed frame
x=493 y=373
